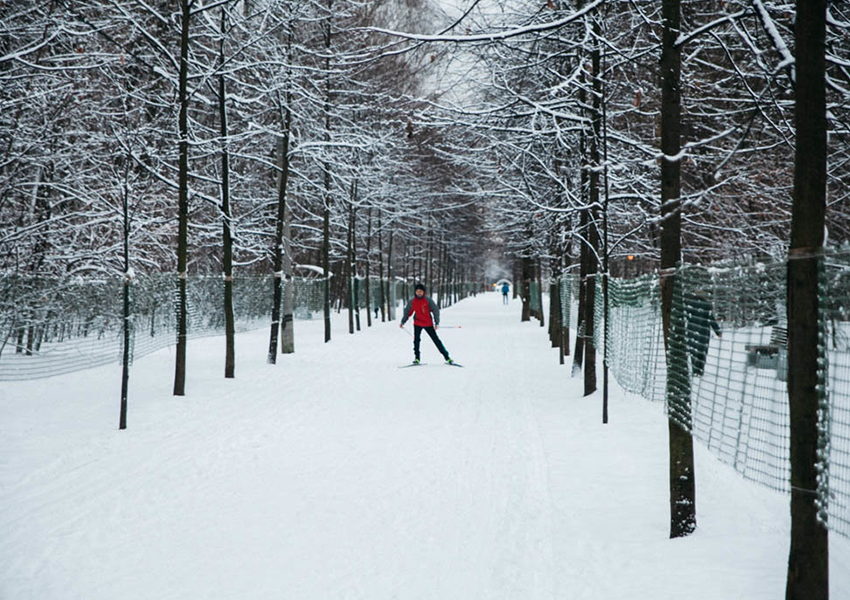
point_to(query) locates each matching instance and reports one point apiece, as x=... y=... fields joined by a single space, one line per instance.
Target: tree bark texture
x=808 y=561
x=183 y=201
x=682 y=475
x=227 y=238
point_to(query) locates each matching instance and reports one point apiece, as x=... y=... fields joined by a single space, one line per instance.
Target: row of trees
x=668 y=131
x=254 y=135
x=228 y=136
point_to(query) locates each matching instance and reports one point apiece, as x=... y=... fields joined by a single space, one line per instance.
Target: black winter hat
x=419 y=286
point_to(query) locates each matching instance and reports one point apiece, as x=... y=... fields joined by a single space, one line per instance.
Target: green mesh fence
x=728 y=362
x=636 y=338
x=728 y=366
x=50 y=326
x=568 y=289
x=535 y=301
x=835 y=482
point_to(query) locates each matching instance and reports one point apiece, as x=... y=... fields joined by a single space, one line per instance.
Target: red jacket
x=421 y=309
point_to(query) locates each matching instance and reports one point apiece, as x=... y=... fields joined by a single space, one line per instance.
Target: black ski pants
x=417 y=337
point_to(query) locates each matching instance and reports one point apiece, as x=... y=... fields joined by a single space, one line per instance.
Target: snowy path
x=333 y=474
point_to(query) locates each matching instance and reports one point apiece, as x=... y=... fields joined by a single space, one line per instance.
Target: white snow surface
x=334 y=474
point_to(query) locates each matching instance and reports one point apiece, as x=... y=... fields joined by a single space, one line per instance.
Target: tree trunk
x=540 y=291
x=526 y=289
x=227 y=241
x=125 y=361
x=592 y=231
x=682 y=476
x=390 y=303
x=381 y=295
x=349 y=263
x=368 y=269
x=569 y=298
x=183 y=199
x=356 y=294
x=326 y=224
x=278 y=249
x=555 y=318
x=326 y=268
x=578 y=357
x=808 y=561
x=287 y=325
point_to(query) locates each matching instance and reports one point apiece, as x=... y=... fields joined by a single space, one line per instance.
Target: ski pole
x=450 y=327
x=405 y=330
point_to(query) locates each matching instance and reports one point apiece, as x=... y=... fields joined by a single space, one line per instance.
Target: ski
x=454 y=364
x=412 y=365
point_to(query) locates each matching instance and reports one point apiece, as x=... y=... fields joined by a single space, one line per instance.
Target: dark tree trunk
x=326 y=221
x=589 y=324
x=584 y=186
x=349 y=263
x=125 y=361
x=227 y=241
x=606 y=274
x=555 y=317
x=540 y=291
x=578 y=356
x=369 y=270
x=183 y=199
x=390 y=306
x=682 y=476
x=808 y=561
x=355 y=297
x=526 y=289
x=283 y=162
x=381 y=288
x=326 y=268
x=280 y=252
x=287 y=326
x=592 y=232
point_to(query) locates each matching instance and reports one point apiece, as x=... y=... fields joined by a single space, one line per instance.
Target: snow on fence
x=730 y=389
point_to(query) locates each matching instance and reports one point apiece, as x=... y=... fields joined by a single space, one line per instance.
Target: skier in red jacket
x=422 y=307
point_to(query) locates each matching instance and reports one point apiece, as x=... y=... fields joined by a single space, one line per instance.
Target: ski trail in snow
x=330 y=472
x=333 y=474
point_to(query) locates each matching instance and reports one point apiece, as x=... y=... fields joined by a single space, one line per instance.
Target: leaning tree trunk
x=808 y=561
x=683 y=519
x=183 y=200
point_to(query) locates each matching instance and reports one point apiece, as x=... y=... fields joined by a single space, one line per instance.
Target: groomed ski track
x=334 y=474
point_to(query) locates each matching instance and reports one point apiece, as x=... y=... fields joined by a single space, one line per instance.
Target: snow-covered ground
x=333 y=474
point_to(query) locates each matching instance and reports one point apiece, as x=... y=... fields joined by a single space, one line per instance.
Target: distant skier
x=505 y=289
x=422 y=308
